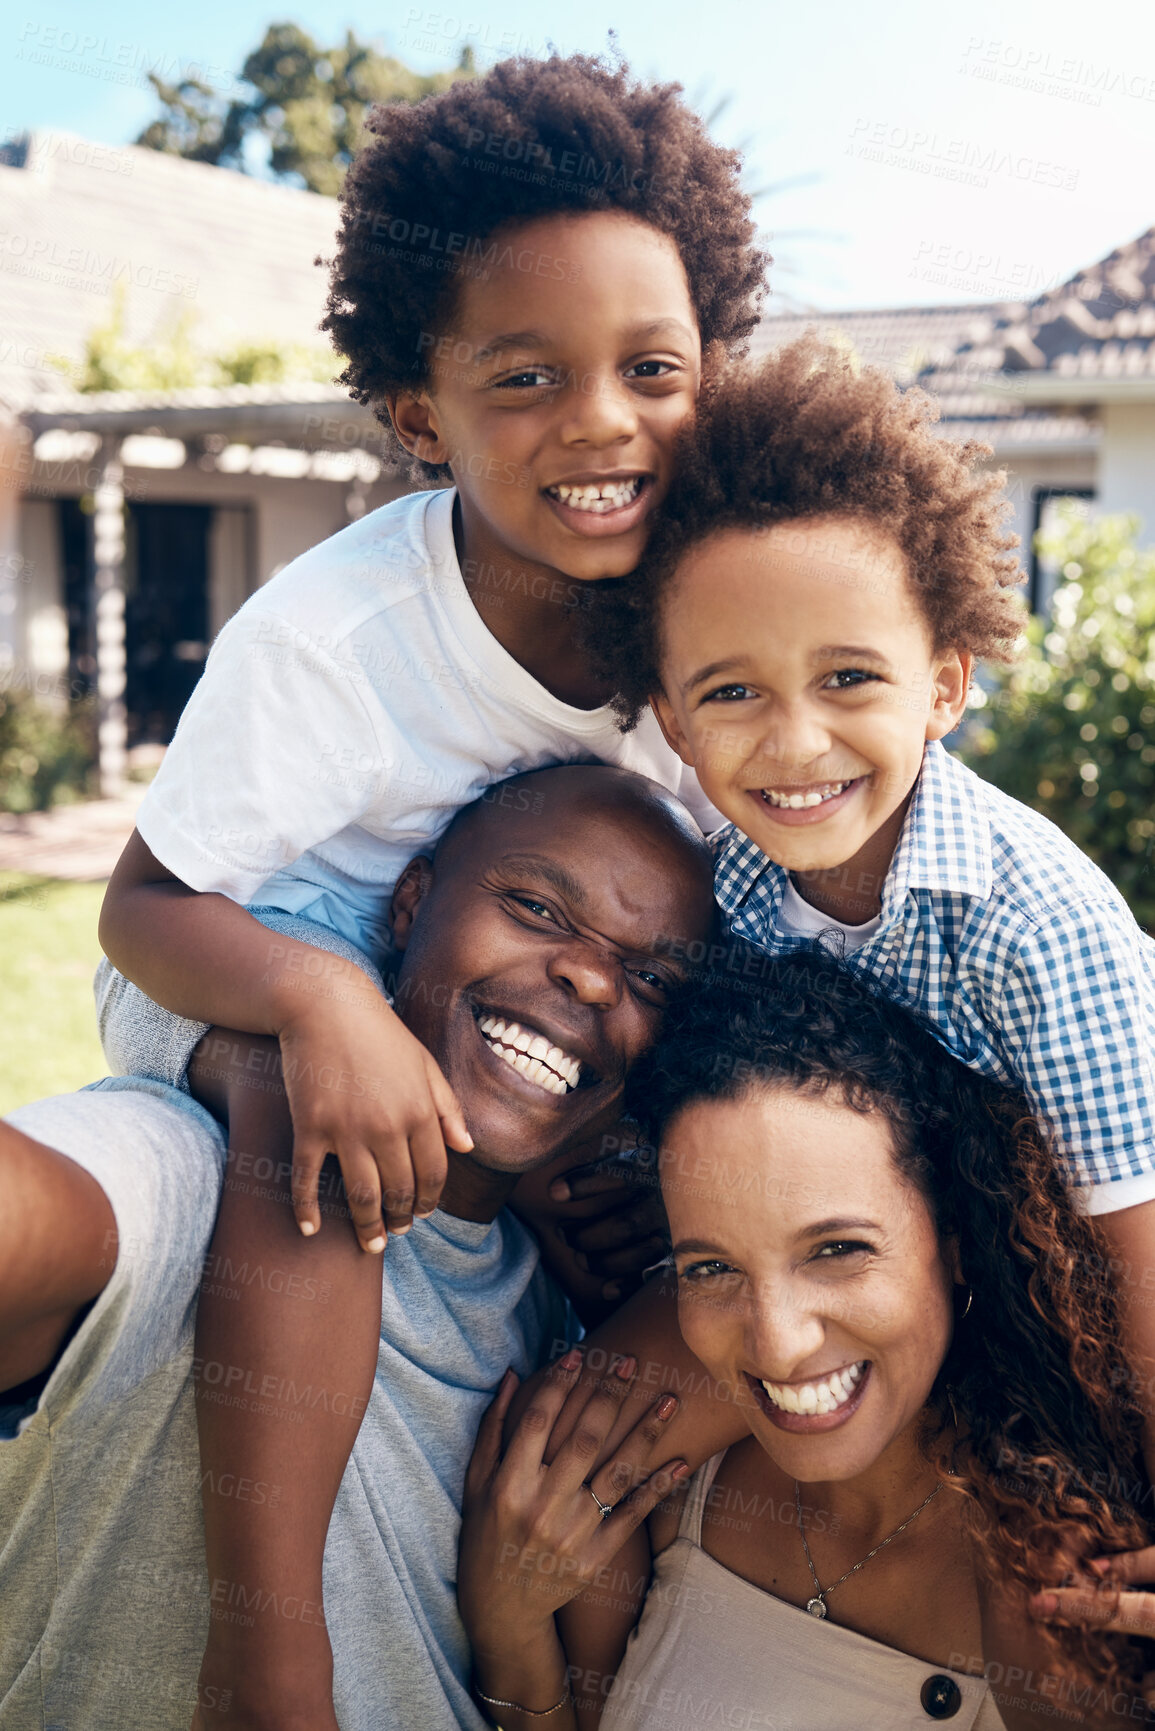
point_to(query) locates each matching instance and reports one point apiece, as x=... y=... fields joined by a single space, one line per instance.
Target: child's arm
x=279 y=1321
x=359 y=1085
x=1073 y=1011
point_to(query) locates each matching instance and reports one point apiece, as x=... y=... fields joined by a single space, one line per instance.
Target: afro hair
x=437 y=180
x=807 y=432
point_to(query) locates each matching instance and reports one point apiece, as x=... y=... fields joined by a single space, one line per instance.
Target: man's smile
x=531 y=1054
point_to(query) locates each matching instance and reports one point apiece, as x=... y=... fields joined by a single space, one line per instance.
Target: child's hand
x=624 y=1231
x=360 y=1086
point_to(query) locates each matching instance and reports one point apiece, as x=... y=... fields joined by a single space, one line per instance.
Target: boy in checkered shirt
x=806 y=624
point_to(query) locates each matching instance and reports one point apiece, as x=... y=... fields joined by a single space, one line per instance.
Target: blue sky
x=921 y=159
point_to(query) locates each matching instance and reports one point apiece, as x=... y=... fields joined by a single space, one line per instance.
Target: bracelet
x=530 y=1712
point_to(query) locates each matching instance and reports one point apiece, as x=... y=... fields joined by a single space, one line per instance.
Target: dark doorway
x=76 y=557
x=166 y=622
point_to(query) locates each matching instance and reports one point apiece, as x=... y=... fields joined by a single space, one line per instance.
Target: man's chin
x=503 y=1142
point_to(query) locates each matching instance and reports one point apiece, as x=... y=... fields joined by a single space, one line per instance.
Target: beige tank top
x=711 y=1649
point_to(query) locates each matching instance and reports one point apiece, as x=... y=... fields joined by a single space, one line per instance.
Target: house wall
x=38 y=624
x=1027 y=474
x=260 y=523
x=14 y=570
x=1127 y=462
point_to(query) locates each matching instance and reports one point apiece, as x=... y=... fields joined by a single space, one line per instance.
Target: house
x=1061 y=387
x=133 y=524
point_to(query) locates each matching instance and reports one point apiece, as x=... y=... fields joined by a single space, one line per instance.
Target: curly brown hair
x=808 y=433
x=1033 y=1417
x=439 y=179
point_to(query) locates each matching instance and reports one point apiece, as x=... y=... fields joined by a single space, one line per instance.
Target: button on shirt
x=1016 y=952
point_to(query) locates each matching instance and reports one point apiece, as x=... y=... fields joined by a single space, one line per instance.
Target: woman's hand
x=532 y=1536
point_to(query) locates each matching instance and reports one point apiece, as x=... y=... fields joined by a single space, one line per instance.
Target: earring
x=967 y=1306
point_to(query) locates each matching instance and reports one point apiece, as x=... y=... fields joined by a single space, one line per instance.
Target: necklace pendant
x=816 y=1607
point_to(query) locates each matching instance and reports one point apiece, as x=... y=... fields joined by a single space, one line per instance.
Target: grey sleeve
x=142 y=1039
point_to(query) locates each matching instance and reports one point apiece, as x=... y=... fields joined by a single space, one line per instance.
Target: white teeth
x=800 y=801
x=816 y=1397
x=531 y=1055
x=608 y=496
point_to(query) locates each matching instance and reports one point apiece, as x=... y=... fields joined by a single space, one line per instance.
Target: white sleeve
x=276 y=751
x=142 y=1040
x=689 y=790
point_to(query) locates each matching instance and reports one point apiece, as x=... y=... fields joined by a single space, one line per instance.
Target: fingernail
x=399 y=1231
x=572 y=1359
x=613 y=1291
x=375 y=1245
x=582 y=1260
x=667 y=1405
x=308 y=1227
x=1099 y=1565
x=680 y=1471
x=559 y=1190
x=626 y=1367
x=1044 y=1604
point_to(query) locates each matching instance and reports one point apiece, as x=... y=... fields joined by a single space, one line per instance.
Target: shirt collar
x=945 y=845
x=946 y=838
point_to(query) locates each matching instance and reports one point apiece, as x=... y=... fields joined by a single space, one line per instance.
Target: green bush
x=1070 y=729
x=46 y=757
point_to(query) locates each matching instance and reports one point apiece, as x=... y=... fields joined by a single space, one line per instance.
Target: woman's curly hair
x=438 y=179
x=808 y=433
x=1033 y=1417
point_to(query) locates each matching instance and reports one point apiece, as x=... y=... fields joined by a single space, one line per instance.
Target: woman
x=877 y=1262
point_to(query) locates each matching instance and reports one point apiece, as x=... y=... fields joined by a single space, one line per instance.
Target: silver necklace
x=817 y=1605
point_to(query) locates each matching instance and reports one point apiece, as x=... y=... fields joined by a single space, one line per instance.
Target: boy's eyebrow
x=658 y=326
x=849 y=652
x=710 y=671
x=510 y=340
x=538 y=340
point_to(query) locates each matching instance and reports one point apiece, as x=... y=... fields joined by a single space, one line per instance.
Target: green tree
x=172 y=361
x=1070 y=728
x=308 y=105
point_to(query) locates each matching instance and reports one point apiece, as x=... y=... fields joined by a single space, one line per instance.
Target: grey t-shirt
x=103 y=1587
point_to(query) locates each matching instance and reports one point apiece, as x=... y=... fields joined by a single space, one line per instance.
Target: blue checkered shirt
x=1019 y=956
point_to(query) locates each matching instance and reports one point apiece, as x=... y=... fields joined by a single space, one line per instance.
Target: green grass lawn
x=48 y=951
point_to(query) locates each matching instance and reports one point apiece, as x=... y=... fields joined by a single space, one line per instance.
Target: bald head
x=569 y=790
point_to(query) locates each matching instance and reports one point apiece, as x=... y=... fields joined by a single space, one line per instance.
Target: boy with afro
x=534 y=271
x=805 y=626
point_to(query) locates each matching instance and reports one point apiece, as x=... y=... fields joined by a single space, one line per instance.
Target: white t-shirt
x=350 y=708
x=798 y=919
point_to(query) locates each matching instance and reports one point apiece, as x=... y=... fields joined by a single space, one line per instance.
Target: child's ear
x=415 y=421
x=670 y=726
x=951 y=681
x=412 y=887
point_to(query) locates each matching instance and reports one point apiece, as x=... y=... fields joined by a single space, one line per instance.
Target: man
x=556 y=905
